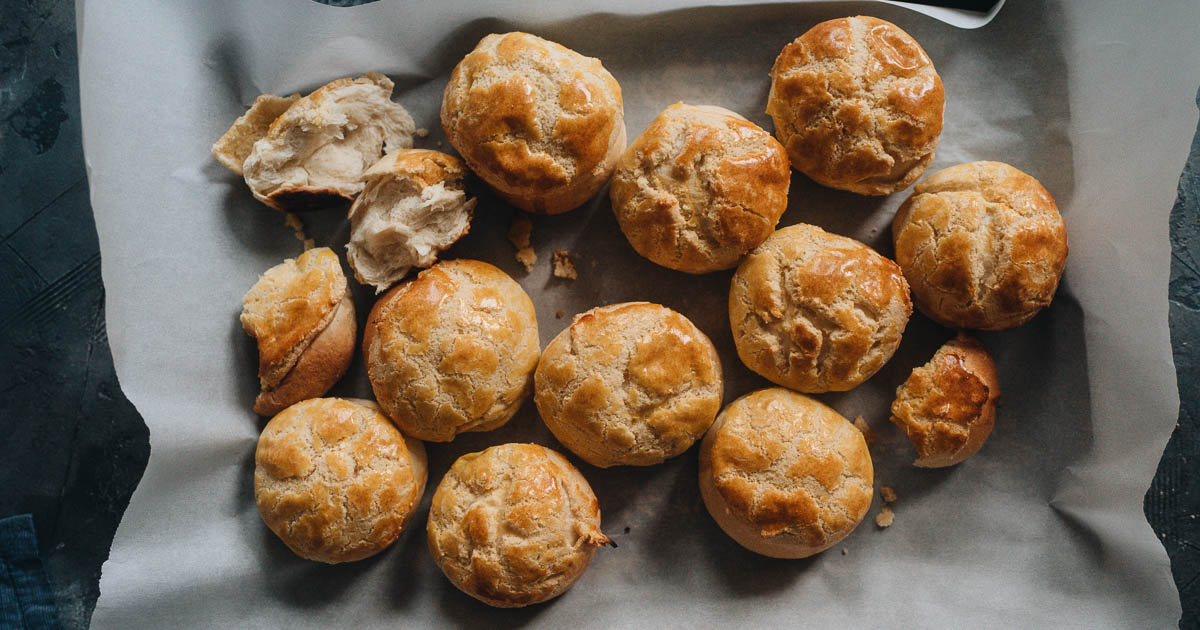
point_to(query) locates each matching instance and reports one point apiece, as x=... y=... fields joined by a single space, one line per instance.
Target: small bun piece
x=948 y=406
x=336 y=480
x=301 y=314
x=858 y=105
x=234 y=147
x=452 y=350
x=815 y=311
x=699 y=188
x=314 y=154
x=540 y=123
x=784 y=475
x=514 y=525
x=412 y=207
x=982 y=245
x=629 y=384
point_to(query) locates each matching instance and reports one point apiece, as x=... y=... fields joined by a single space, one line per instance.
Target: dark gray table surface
x=74 y=448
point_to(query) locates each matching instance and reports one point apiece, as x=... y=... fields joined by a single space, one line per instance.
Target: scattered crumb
x=439 y=143
x=291 y=220
x=519 y=234
x=560 y=313
x=887 y=493
x=868 y=434
x=845 y=551
x=885 y=517
x=627 y=530
x=422 y=133
x=563 y=267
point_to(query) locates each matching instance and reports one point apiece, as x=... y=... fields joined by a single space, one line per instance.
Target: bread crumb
x=563 y=267
x=867 y=433
x=422 y=133
x=291 y=220
x=560 y=313
x=519 y=234
x=885 y=517
x=845 y=551
x=887 y=493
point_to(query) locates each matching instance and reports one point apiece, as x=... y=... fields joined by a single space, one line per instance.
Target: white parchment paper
x=1043 y=528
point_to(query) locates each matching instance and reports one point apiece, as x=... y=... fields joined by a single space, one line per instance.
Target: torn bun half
x=412 y=207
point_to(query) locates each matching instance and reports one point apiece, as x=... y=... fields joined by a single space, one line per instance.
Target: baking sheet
x=1043 y=528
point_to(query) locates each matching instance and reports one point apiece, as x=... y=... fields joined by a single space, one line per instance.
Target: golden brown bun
x=452 y=350
x=858 y=105
x=699 y=188
x=514 y=525
x=982 y=245
x=784 y=475
x=412 y=207
x=948 y=406
x=815 y=311
x=537 y=121
x=314 y=154
x=629 y=384
x=335 y=480
x=301 y=314
x=319 y=367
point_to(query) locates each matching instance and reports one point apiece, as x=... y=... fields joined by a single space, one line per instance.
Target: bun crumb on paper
x=784 y=475
x=514 y=525
x=336 y=480
x=887 y=493
x=948 y=406
x=815 y=311
x=301 y=314
x=629 y=384
x=520 y=233
x=868 y=434
x=563 y=267
x=412 y=207
x=314 y=154
x=540 y=123
x=452 y=350
x=699 y=188
x=982 y=244
x=858 y=105
x=885 y=517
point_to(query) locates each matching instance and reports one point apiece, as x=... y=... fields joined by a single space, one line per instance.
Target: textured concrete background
x=74 y=448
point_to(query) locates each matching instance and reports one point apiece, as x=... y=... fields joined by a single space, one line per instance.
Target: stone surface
x=73 y=447
x=1173 y=501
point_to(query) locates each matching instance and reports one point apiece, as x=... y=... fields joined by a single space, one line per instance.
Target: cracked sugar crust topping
x=699 y=188
x=452 y=350
x=531 y=116
x=815 y=311
x=629 y=384
x=336 y=480
x=858 y=105
x=514 y=525
x=791 y=467
x=289 y=305
x=982 y=245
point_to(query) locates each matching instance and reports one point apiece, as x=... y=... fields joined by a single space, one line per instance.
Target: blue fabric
x=26 y=602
